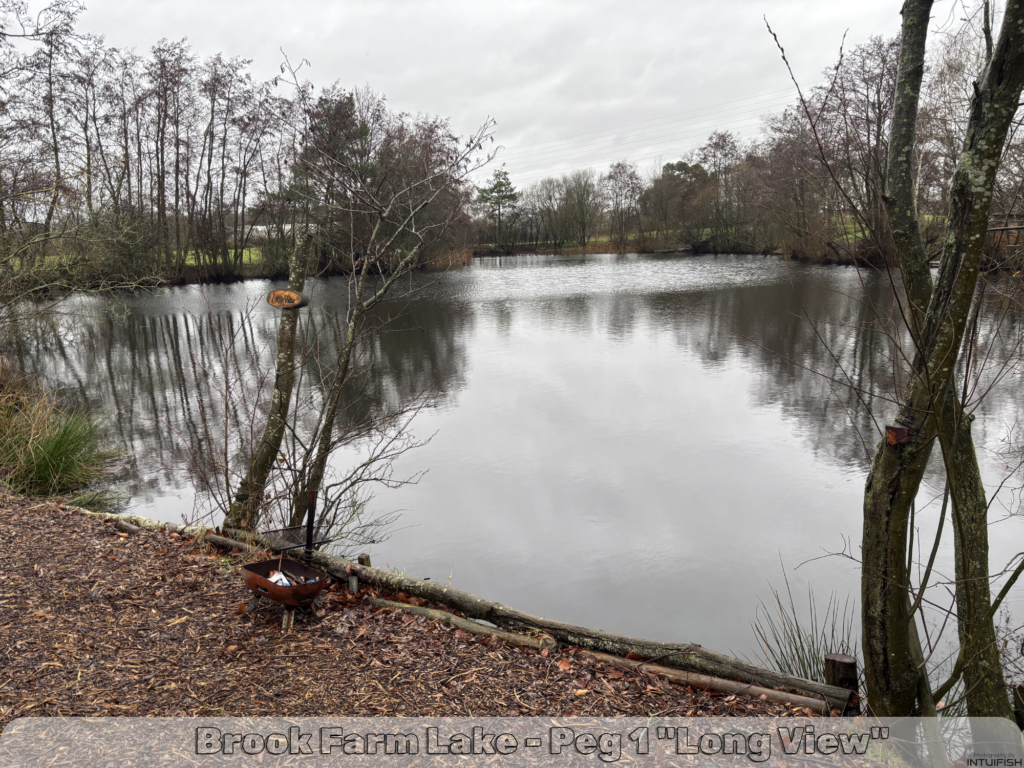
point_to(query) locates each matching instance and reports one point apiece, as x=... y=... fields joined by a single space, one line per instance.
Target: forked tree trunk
x=938 y=317
x=244 y=512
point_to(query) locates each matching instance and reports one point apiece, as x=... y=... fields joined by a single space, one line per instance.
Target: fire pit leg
x=288 y=620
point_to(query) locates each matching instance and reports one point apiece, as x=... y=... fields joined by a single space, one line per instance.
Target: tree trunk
x=896 y=472
x=983 y=675
x=244 y=512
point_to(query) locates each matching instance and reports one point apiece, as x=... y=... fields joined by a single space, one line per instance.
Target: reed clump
x=796 y=643
x=45 y=448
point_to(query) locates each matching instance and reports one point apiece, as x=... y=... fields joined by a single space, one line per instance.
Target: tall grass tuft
x=44 y=449
x=795 y=644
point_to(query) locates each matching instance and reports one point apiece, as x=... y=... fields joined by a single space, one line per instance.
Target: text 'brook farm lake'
x=631 y=443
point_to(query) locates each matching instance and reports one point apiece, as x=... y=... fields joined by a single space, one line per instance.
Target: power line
x=591 y=147
x=790 y=90
x=635 y=145
x=517 y=154
x=607 y=155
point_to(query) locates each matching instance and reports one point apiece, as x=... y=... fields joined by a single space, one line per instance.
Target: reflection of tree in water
x=827 y=374
x=157 y=375
x=164 y=382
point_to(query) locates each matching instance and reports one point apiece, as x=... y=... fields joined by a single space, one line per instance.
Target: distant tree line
x=117 y=167
x=811 y=186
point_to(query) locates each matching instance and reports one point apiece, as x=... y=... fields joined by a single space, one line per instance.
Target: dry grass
x=44 y=448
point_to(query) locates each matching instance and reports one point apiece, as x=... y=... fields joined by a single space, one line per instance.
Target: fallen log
x=689 y=657
x=142 y=522
x=709 y=683
x=513 y=638
x=225 y=543
x=126 y=527
x=686 y=656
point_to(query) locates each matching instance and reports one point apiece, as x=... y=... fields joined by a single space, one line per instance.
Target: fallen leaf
x=634 y=656
x=544 y=652
x=564 y=665
x=231 y=648
x=581 y=692
x=615 y=675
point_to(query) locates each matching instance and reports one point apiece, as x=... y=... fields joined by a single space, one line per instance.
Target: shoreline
x=149 y=623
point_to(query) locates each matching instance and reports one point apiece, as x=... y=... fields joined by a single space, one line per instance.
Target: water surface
x=635 y=443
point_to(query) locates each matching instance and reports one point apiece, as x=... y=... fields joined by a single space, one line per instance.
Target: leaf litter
x=93 y=623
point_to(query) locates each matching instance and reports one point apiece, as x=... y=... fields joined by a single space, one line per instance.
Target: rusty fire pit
x=305 y=581
x=257 y=578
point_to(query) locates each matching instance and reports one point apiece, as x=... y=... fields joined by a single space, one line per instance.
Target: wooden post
x=353 y=584
x=364 y=559
x=1018 y=705
x=841 y=671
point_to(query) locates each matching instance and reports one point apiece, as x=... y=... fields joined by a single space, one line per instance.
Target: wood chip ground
x=97 y=623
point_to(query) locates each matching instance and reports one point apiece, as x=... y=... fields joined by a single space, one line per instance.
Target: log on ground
x=513 y=638
x=686 y=656
x=709 y=683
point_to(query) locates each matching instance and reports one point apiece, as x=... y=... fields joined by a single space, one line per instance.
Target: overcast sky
x=570 y=84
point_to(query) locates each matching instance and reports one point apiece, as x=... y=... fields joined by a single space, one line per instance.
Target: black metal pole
x=307 y=554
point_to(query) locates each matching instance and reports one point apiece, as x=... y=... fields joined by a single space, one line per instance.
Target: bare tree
x=398 y=183
x=931 y=409
x=583 y=203
x=623 y=188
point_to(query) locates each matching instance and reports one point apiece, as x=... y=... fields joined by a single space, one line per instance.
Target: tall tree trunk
x=244 y=512
x=890 y=671
x=983 y=674
x=51 y=116
x=892 y=674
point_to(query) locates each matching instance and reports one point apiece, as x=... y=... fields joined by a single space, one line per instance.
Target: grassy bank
x=46 y=448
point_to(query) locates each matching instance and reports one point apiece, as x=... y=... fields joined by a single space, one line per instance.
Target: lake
x=629 y=442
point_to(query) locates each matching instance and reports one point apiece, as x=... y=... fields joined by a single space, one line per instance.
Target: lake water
x=635 y=443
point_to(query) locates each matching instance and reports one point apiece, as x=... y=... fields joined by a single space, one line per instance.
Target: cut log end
x=897 y=435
